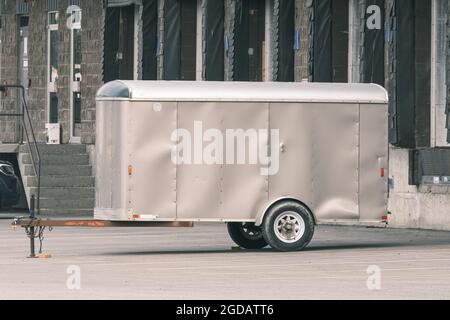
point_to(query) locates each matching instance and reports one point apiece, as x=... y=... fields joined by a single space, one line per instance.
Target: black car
x=9 y=185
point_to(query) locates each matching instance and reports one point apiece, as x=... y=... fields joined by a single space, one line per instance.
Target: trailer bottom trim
x=99 y=223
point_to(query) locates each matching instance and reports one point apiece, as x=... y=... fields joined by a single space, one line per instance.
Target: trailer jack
x=36 y=233
x=32 y=231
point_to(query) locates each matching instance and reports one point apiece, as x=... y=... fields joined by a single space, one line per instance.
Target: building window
x=330 y=41
x=53 y=98
x=23 y=50
x=52 y=65
x=76 y=116
x=75 y=74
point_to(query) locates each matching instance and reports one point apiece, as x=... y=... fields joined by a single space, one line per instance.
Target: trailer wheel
x=288 y=226
x=247 y=235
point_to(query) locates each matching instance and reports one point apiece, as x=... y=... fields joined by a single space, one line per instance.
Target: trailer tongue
x=35 y=227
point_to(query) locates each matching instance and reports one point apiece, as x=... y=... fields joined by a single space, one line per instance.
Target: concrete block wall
x=228 y=30
x=63 y=83
x=301 y=24
x=423 y=207
x=92 y=64
x=92 y=68
x=37 y=47
x=8 y=126
x=448 y=70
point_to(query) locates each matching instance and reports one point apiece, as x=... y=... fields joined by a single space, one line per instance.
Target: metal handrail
x=35 y=157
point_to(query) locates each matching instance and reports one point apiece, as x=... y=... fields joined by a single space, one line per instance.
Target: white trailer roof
x=242 y=91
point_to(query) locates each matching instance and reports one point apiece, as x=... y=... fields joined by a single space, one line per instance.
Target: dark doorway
x=330 y=57
x=119 y=44
x=372 y=61
x=422 y=62
x=214 y=29
x=249 y=40
x=286 y=32
x=150 y=39
x=188 y=39
x=410 y=106
x=180 y=48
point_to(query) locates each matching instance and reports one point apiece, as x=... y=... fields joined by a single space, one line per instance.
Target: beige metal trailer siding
x=333 y=147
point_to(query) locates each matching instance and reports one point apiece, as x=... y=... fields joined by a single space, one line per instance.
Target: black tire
x=288 y=226
x=247 y=236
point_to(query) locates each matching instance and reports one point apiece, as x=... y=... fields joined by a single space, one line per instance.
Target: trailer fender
x=260 y=217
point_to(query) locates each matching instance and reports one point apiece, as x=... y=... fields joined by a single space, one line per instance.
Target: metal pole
x=32 y=230
x=38 y=190
x=22 y=123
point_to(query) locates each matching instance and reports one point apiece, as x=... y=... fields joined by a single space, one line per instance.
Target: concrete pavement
x=198 y=263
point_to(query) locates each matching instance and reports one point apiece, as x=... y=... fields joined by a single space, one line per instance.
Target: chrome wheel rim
x=289 y=227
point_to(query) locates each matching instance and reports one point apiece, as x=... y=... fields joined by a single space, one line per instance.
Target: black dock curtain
x=330 y=38
x=214 y=28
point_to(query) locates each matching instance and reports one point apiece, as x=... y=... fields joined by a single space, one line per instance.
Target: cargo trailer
x=271 y=160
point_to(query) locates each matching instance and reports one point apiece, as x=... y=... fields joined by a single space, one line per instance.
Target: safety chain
x=38 y=234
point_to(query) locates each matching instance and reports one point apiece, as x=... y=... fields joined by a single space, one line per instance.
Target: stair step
x=67 y=184
x=66 y=212
x=75 y=159
x=49 y=203
x=65 y=193
x=46 y=149
x=60 y=170
x=62 y=181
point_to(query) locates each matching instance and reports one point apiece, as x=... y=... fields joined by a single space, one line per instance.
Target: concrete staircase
x=67 y=184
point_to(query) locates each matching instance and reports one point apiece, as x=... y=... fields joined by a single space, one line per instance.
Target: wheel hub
x=289 y=227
